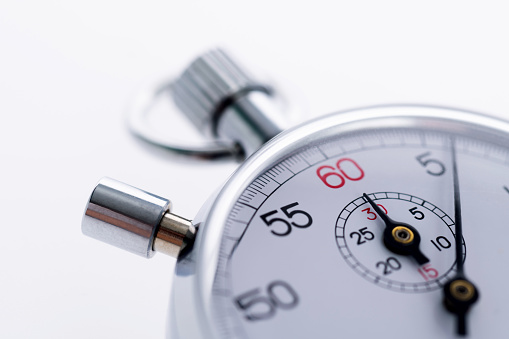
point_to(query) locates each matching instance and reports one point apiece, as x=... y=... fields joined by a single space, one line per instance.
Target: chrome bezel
x=200 y=267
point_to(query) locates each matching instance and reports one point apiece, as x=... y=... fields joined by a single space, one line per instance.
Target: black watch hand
x=399 y=237
x=459 y=292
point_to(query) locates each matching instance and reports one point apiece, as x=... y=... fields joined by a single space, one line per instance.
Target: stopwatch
x=386 y=221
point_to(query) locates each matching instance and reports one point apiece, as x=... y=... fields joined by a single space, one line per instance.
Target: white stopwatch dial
x=292 y=249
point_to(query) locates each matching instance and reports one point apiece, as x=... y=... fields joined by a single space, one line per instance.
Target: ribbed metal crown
x=208 y=85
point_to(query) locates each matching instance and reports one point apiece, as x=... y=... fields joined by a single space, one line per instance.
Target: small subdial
x=359 y=236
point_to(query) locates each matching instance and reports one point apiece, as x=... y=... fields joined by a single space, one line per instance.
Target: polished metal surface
x=251 y=121
x=124 y=216
x=135 y=220
x=173 y=235
x=139 y=124
x=209 y=84
x=225 y=103
x=223 y=100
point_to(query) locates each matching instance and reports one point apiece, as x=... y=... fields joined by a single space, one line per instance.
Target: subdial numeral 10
x=441 y=242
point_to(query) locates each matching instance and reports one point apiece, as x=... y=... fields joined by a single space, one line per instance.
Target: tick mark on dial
x=399 y=238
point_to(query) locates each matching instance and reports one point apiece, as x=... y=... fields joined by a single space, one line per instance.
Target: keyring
x=219 y=97
x=138 y=122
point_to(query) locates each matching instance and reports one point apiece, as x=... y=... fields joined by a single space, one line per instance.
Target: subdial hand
x=459 y=292
x=399 y=237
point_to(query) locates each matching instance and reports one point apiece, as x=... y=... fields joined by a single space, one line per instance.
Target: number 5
x=416 y=213
x=437 y=171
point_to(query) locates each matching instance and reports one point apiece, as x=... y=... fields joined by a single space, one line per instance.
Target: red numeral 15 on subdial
x=428 y=272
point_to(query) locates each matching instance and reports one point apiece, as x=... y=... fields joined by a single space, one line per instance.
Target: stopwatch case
x=191 y=311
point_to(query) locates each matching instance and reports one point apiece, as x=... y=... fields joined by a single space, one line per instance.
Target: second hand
x=459 y=292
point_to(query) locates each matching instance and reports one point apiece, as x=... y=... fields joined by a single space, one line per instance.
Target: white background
x=68 y=71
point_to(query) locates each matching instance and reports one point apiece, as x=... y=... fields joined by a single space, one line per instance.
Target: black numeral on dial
x=304 y=221
x=261 y=306
x=441 y=242
x=388 y=266
x=416 y=213
x=362 y=235
x=434 y=167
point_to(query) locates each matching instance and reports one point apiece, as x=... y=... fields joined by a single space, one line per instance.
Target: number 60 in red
x=346 y=168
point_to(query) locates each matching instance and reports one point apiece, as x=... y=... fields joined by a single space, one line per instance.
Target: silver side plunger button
x=135 y=220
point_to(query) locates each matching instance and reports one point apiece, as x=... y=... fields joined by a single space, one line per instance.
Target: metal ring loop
x=141 y=107
x=139 y=126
